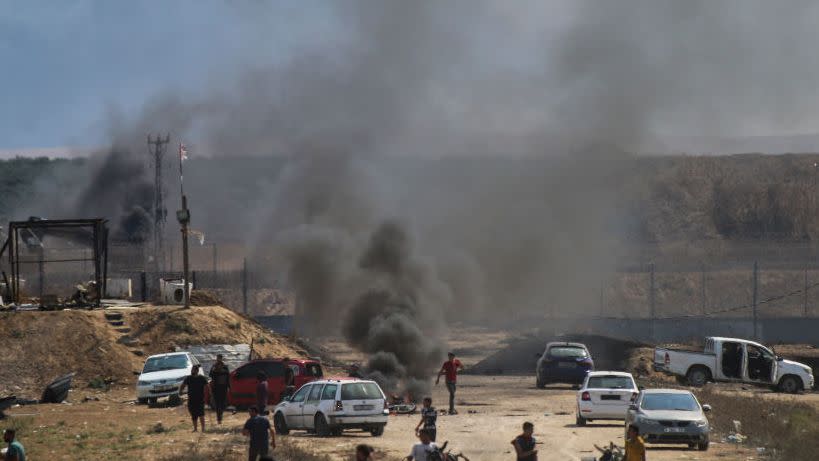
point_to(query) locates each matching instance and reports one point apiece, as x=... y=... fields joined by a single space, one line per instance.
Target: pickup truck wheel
x=580 y=421
x=175 y=400
x=377 y=431
x=789 y=384
x=703 y=446
x=322 y=428
x=151 y=400
x=697 y=376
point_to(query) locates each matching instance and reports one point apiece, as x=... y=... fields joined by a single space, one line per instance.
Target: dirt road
x=489 y=419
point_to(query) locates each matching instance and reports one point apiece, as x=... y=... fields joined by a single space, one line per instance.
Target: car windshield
x=569 y=352
x=360 y=391
x=167 y=362
x=610 y=382
x=679 y=402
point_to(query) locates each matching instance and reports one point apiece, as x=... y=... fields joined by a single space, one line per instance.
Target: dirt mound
x=40 y=346
x=520 y=356
x=161 y=329
x=205 y=298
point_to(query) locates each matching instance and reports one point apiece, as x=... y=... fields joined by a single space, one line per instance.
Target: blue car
x=563 y=362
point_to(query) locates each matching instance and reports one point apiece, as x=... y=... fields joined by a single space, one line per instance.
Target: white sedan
x=605 y=395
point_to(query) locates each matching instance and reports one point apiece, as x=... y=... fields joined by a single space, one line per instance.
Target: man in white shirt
x=421 y=451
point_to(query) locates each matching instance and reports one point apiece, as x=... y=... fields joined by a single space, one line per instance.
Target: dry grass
x=788 y=429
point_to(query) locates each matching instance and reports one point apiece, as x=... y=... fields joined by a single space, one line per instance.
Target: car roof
x=565 y=343
x=610 y=373
x=169 y=354
x=341 y=380
x=666 y=391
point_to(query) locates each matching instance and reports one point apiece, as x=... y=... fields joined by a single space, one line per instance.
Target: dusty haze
x=569 y=87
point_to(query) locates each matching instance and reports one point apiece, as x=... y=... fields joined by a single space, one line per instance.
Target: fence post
x=703 y=301
x=214 y=264
x=244 y=286
x=652 y=300
x=143 y=281
x=755 y=297
x=805 y=294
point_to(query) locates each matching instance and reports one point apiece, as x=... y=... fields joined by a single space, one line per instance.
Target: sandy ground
x=489 y=419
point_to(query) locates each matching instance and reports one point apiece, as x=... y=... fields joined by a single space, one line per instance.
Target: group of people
x=260 y=433
x=262 y=437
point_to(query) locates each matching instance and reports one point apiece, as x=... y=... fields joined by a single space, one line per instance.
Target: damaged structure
x=33 y=246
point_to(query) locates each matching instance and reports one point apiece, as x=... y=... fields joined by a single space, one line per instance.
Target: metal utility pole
x=157 y=147
x=184 y=218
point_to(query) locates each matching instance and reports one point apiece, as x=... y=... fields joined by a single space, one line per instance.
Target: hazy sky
x=67 y=65
x=689 y=68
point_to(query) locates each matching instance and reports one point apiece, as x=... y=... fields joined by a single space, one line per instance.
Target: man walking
x=525 y=444
x=450 y=370
x=261 y=392
x=15 y=451
x=195 y=383
x=261 y=433
x=429 y=416
x=219 y=386
x=635 y=447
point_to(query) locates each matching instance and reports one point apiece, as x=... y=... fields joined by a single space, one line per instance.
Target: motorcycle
x=440 y=454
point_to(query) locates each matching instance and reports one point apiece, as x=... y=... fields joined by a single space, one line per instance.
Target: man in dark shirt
x=195 y=383
x=261 y=392
x=257 y=427
x=219 y=386
x=525 y=444
x=429 y=417
x=450 y=369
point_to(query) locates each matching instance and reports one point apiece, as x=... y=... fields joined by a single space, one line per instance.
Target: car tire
x=280 y=424
x=703 y=446
x=175 y=400
x=151 y=400
x=789 y=384
x=697 y=376
x=321 y=426
x=579 y=421
x=142 y=400
x=336 y=431
x=377 y=431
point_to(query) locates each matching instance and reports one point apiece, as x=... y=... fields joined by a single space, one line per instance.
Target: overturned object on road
x=57 y=391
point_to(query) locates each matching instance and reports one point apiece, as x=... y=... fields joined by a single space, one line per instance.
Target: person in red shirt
x=450 y=370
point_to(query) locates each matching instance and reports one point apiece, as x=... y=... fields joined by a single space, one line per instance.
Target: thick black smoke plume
x=397 y=318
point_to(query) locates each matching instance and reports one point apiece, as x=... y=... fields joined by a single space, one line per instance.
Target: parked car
x=605 y=395
x=282 y=374
x=670 y=416
x=327 y=407
x=734 y=360
x=162 y=375
x=563 y=362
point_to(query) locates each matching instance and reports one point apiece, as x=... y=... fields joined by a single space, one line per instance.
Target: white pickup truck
x=734 y=360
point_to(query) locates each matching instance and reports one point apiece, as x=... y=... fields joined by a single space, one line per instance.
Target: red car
x=281 y=373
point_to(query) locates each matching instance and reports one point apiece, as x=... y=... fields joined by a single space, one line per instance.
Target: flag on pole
x=183 y=153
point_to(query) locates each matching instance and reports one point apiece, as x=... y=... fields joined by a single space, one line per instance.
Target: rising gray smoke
x=495 y=130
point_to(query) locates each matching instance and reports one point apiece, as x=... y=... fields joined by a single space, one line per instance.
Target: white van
x=329 y=406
